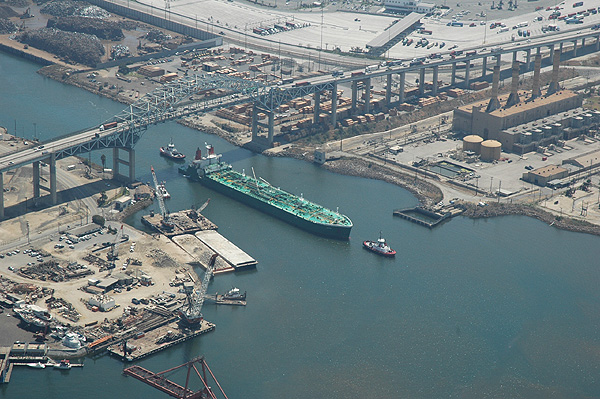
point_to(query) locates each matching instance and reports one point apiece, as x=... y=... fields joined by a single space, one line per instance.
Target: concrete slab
x=231 y=253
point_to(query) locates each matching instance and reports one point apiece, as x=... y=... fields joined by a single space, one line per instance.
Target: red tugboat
x=171 y=152
x=380 y=247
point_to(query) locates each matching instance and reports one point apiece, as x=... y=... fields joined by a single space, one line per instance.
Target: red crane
x=160 y=382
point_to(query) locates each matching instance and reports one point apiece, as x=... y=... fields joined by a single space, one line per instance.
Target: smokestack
x=494 y=104
x=553 y=88
x=198 y=154
x=513 y=98
x=537 y=65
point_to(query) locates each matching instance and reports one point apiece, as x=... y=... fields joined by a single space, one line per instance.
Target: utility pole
x=28 y=233
x=321 y=47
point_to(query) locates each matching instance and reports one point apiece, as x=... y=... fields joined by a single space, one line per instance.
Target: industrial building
x=493 y=121
x=542 y=176
x=542 y=134
x=406 y=6
x=103 y=302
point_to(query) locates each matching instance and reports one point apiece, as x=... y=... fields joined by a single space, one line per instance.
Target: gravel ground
x=9 y=332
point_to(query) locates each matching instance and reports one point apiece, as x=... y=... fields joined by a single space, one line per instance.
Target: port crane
x=166 y=221
x=191 y=312
x=113 y=254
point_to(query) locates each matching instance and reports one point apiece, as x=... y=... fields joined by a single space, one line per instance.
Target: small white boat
x=163 y=190
x=64 y=364
x=37 y=365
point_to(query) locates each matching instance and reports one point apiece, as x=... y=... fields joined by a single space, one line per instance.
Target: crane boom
x=161 y=201
x=192 y=313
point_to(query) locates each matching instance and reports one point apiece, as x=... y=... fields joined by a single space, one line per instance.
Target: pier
x=426 y=217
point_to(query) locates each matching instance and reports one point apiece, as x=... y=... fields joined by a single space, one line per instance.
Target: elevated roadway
x=171 y=101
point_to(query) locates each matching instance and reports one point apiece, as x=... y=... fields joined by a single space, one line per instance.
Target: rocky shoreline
x=501 y=209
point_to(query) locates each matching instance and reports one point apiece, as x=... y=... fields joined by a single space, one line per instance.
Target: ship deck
x=276 y=197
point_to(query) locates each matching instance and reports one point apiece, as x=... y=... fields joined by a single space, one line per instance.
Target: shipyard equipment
x=191 y=312
x=166 y=222
x=160 y=382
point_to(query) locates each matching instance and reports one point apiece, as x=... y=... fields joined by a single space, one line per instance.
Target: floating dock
x=184 y=222
x=426 y=217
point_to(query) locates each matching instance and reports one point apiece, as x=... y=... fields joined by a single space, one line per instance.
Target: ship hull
x=166 y=154
x=337 y=232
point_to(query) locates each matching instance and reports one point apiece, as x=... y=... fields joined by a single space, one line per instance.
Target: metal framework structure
x=191 y=312
x=160 y=382
x=166 y=102
x=271 y=100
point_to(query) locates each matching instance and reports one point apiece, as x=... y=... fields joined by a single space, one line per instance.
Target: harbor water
x=506 y=307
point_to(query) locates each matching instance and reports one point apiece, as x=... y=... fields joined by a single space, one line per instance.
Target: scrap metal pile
x=72 y=46
x=103 y=29
x=65 y=8
x=51 y=270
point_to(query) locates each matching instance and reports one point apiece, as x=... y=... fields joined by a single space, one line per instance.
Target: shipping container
x=108 y=125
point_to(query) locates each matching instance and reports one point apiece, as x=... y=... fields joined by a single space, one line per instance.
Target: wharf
x=185 y=222
x=5 y=365
x=426 y=217
x=157 y=340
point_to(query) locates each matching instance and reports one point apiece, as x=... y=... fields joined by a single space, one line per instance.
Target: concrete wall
x=154 y=20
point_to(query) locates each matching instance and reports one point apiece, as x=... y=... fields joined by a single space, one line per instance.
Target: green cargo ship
x=259 y=194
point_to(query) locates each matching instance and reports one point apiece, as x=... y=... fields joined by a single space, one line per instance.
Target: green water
x=502 y=308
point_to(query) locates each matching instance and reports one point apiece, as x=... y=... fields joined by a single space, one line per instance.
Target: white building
x=407 y=6
x=104 y=302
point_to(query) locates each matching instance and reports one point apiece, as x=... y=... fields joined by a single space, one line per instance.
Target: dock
x=5 y=365
x=426 y=217
x=156 y=340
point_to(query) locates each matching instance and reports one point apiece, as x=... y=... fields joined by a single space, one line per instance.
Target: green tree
x=99 y=220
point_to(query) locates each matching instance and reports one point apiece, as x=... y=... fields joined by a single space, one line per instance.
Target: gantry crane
x=166 y=222
x=191 y=312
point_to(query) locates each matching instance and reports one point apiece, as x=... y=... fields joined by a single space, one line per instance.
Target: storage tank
x=472 y=143
x=537 y=134
x=577 y=122
x=490 y=150
x=526 y=138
